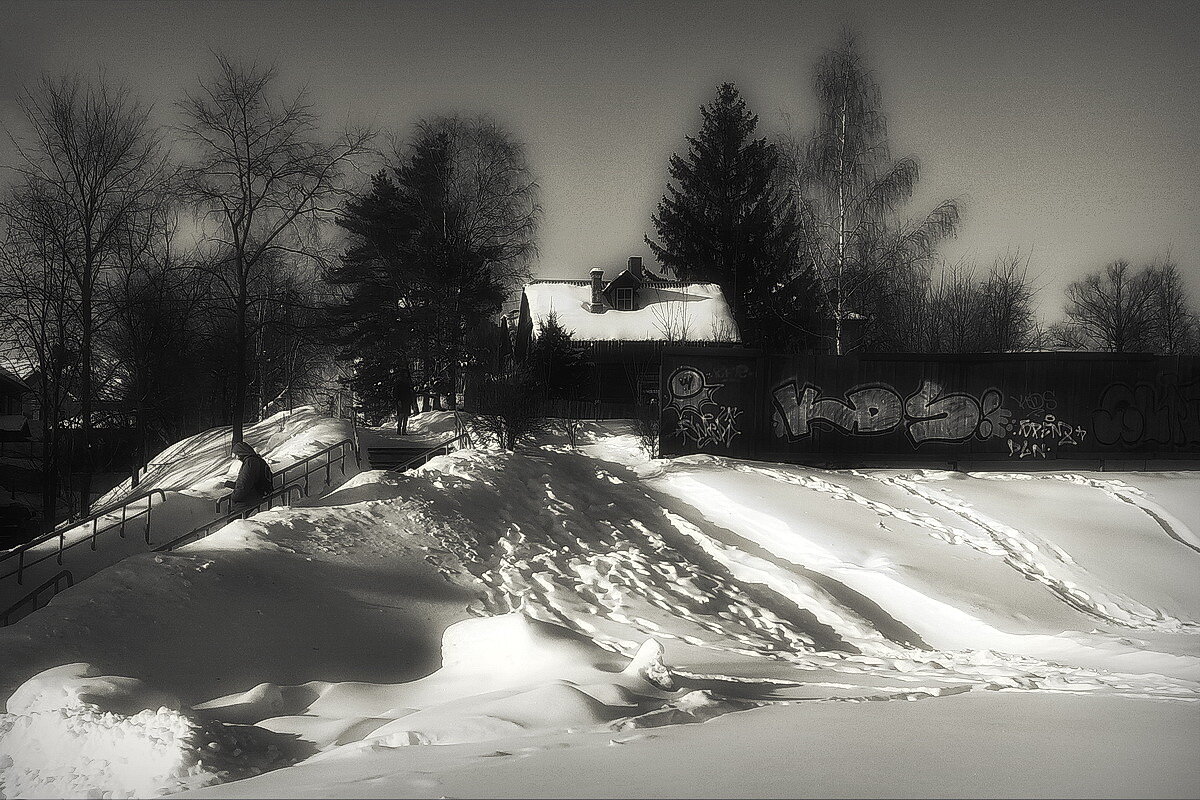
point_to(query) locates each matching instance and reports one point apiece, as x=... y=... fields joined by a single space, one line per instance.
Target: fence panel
x=985 y=407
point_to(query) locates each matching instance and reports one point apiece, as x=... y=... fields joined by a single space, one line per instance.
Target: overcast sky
x=1069 y=131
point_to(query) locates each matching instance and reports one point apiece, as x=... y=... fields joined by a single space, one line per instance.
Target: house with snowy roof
x=622 y=325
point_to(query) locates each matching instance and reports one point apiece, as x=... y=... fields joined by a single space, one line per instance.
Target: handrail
x=328 y=466
x=199 y=533
x=105 y=511
x=430 y=452
x=23 y=563
x=32 y=597
x=60 y=533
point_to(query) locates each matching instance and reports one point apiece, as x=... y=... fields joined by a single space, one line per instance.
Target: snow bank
x=477 y=618
x=73 y=732
x=501 y=677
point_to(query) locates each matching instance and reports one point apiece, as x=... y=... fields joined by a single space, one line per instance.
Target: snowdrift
x=542 y=622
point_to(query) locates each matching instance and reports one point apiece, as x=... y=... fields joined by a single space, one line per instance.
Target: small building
x=14 y=425
x=622 y=326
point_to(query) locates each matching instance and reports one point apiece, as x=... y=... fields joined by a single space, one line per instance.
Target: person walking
x=405 y=396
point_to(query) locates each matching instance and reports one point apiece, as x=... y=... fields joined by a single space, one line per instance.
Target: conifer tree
x=437 y=243
x=722 y=220
x=376 y=327
x=555 y=361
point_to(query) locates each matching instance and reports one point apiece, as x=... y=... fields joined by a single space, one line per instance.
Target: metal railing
x=9 y=615
x=440 y=449
x=284 y=493
x=24 y=562
x=197 y=534
x=344 y=448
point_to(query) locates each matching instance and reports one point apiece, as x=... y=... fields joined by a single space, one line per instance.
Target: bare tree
x=95 y=160
x=848 y=190
x=153 y=309
x=1007 y=320
x=38 y=323
x=671 y=318
x=266 y=180
x=1174 y=319
x=1112 y=310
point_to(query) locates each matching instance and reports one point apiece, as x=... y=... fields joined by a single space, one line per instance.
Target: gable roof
x=11 y=383
x=667 y=311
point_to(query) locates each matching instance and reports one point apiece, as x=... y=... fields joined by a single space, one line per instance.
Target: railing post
x=62 y=536
x=20 y=567
x=149 y=505
x=95 y=521
x=124 y=510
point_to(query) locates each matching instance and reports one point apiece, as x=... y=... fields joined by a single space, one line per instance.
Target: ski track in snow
x=1041 y=561
x=1032 y=556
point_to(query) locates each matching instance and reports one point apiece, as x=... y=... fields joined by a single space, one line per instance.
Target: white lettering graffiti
x=719 y=427
x=1036 y=437
x=928 y=415
x=699 y=418
x=1036 y=401
x=1023 y=449
x=1050 y=428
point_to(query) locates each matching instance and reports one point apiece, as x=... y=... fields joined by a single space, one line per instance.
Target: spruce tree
x=377 y=327
x=555 y=362
x=722 y=221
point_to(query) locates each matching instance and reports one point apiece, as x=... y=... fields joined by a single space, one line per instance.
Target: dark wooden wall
x=1005 y=407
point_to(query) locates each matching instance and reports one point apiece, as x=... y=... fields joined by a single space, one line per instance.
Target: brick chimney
x=635 y=267
x=597 y=306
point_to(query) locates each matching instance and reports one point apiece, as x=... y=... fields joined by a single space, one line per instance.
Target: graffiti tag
x=1036 y=401
x=1035 y=437
x=1166 y=413
x=929 y=414
x=700 y=418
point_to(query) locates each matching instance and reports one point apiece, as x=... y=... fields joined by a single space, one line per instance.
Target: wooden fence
x=991 y=407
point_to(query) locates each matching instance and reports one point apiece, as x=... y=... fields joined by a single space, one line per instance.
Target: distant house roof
x=11 y=384
x=667 y=311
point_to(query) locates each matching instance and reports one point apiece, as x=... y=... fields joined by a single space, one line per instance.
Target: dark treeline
x=163 y=280
x=155 y=281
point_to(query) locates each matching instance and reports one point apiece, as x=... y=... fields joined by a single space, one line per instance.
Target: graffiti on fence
x=700 y=418
x=1038 y=437
x=930 y=414
x=1165 y=412
x=1035 y=401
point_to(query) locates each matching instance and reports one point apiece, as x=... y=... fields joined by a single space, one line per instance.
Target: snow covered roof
x=667 y=311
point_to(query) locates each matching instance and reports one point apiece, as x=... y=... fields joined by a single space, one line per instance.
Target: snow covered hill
x=547 y=623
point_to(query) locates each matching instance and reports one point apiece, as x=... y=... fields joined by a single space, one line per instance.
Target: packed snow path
x=1027 y=612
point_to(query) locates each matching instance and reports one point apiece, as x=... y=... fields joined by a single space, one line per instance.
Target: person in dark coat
x=253 y=479
x=405 y=397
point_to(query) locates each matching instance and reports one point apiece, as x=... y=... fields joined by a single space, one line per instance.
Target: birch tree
x=848 y=190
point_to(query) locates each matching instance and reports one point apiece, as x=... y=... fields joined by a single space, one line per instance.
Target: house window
x=624 y=299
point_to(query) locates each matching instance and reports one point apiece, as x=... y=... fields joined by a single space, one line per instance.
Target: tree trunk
x=85 y=390
x=841 y=253
x=49 y=459
x=239 y=357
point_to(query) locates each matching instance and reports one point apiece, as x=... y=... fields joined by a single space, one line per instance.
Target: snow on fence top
x=666 y=311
